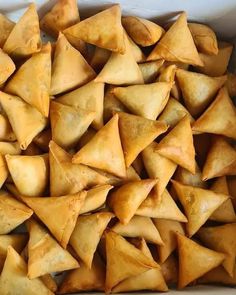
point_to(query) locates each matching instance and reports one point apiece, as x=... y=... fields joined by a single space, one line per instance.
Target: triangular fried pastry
x=6 y=26
x=142 y=31
x=84 y=278
x=173 y=113
x=99 y=58
x=65 y=213
x=69 y=68
x=204 y=38
x=231 y=84
x=14 y=280
x=151 y=279
x=126 y=199
x=68 y=123
x=95 y=198
x=104 y=150
x=123 y=260
x=29 y=173
x=167 y=229
x=42 y=139
x=121 y=69
x=62 y=15
x=17 y=241
x=7 y=67
x=6 y=132
x=112 y=104
x=108 y=34
x=25 y=120
x=221 y=238
x=163 y=207
x=218 y=275
x=139 y=226
x=216 y=65
x=195 y=260
x=169 y=270
x=221 y=159
x=12 y=213
x=68 y=178
x=198 y=90
x=198 y=204
x=86 y=244
x=185 y=177
x=177 y=44
x=136 y=50
x=147 y=101
x=158 y=166
x=178 y=146
x=150 y=70
x=88 y=97
x=225 y=213
x=137 y=133
x=34 y=91
x=24 y=40
x=45 y=254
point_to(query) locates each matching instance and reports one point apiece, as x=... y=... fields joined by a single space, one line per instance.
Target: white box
x=219 y=14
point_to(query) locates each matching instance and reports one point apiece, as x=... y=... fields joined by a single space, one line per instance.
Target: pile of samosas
x=117 y=154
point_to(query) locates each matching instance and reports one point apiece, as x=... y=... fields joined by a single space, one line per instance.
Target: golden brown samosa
x=89 y=97
x=24 y=39
x=7 y=67
x=12 y=213
x=198 y=204
x=34 y=91
x=65 y=210
x=195 y=260
x=69 y=68
x=142 y=31
x=104 y=150
x=6 y=26
x=26 y=121
x=137 y=133
x=14 y=279
x=204 y=38
x=177 y=44
x=87 y=234
x=103 y=29
x=221 y=238
x=126 y=199
x=198 y=90
x=178 y=146
x=61 y=16
x=45 y=254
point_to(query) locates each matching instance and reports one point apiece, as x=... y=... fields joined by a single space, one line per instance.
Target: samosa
x=12 y=213
x=88 y=97
x=137 y=133
x=198 y=90
x=198 y=204
x=69 y=68
x=221 y=238
x=66 y=210
x=34 y=91
x=14 y=279
x=7 y=67
x=195 y=260
x=177 y=44
x=103 y=29
x=204 y=38
x=178 y=146
x=86 y=244
x=139 y=226
x=150 y=70
x=26 y=121
x=104 y=150
x=6 y=26
x=142 y=31
x=45 y=254
x=147 y=101
x=23 y=39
